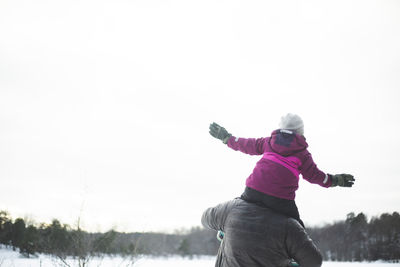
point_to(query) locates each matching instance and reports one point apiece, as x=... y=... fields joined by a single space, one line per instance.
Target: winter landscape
x=9 y=258
x=106 y=159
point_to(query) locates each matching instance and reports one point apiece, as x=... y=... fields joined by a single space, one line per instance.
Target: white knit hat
x=293 y=123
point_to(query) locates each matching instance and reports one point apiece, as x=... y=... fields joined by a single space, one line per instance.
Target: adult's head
x=256 y=236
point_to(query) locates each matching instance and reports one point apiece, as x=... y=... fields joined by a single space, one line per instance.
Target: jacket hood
x=286 y=142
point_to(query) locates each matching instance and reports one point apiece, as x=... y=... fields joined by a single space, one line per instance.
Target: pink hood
x=286 y=143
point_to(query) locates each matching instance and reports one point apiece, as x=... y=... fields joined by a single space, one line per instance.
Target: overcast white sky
x=105 y=105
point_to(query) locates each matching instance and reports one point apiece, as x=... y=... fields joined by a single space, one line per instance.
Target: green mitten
x=219 y=132
x=344 y=180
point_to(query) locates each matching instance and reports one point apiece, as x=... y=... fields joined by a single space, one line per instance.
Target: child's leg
x=294 y=211
x=280 y=205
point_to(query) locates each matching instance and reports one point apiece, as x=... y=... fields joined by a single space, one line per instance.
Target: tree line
x=358 y=239
x=61 y=240
x=354 y=239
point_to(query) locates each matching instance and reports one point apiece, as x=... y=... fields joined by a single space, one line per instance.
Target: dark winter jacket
x=285 y=157
x=258 y=237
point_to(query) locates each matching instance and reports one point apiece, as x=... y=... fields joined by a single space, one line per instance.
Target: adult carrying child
x=275 y=178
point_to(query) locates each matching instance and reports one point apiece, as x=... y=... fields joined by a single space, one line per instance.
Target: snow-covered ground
x=9 y=258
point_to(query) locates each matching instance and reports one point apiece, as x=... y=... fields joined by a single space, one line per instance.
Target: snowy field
x=9 y=258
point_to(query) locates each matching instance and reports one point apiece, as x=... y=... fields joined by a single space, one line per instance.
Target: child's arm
x=251 y=146
x=312 y=174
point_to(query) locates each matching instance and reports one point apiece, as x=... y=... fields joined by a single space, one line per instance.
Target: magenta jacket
x=285 y=157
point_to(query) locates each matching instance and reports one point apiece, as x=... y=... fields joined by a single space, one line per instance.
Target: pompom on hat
x=292 y=122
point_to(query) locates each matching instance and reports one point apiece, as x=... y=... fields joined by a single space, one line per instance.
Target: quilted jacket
x=256 y=236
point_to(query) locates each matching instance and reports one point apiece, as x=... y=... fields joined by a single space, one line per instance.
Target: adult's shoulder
x=237 y=202
x=259 y=211
x=293 y=224
x=300 y=246
x=295 y=231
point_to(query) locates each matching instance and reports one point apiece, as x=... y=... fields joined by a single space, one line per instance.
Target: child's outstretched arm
x=311 y=173
x=251 y=146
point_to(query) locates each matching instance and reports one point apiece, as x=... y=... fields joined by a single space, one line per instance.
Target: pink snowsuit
x=285 y=157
